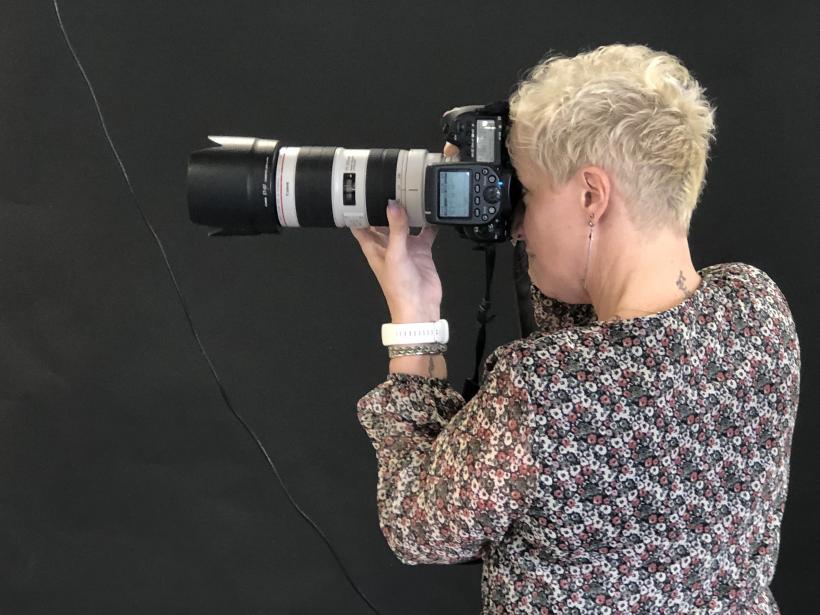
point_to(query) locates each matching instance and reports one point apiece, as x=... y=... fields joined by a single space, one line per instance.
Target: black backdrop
x=126 y=485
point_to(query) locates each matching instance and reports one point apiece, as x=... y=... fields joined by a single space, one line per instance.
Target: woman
x=632 y=454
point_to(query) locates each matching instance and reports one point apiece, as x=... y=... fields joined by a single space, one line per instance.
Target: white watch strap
x=415 y=333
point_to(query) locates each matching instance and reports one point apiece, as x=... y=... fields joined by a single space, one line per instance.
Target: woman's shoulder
x=746 y=286
x=735 y=272
x=554 y=350
x=740 y=288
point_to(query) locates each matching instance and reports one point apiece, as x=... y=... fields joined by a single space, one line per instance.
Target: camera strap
x=482 y=317
x=524 y=300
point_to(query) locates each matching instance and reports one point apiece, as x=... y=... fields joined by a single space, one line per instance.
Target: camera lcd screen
x=454 y=194
x=485 y=141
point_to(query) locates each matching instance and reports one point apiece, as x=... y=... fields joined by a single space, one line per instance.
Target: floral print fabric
x=639 y=466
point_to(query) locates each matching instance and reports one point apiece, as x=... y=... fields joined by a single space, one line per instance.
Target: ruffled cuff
x=422 y=400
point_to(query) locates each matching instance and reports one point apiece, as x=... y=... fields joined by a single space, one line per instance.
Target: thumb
x=398 y=224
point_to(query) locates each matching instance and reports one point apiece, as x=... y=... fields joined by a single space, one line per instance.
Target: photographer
x=632 y=454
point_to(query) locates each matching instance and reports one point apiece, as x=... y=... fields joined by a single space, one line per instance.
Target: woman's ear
x=596 y=188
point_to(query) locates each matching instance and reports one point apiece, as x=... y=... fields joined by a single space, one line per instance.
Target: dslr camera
x=246 y=185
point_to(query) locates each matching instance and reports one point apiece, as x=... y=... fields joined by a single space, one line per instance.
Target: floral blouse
x=637 y=466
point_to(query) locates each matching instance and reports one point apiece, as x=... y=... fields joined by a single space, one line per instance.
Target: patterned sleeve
x=451 y=476
x=551 y=314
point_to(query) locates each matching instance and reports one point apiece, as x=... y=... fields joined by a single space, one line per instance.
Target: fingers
x=398 y=230
x=369 y=236
x=380 y=235
x=428 y=233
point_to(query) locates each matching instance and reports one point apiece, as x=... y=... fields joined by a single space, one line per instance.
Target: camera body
x=478 y=193
x=466 y=195
x=245 y=185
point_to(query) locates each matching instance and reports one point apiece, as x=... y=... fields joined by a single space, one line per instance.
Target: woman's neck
x=637 y=279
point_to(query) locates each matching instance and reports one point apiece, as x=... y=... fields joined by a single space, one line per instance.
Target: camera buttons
x=492 y=194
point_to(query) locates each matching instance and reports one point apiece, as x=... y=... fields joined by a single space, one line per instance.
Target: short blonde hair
x=635 y=112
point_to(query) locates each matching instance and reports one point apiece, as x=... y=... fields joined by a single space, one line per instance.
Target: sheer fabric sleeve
x=451 y=476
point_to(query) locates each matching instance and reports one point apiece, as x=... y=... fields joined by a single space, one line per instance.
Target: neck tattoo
x=681 y=283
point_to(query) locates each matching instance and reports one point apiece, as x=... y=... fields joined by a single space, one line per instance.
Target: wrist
x=408 y=317
x=429 y=366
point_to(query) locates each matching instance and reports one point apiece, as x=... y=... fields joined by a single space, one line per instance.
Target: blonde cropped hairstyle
x=635 y=112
